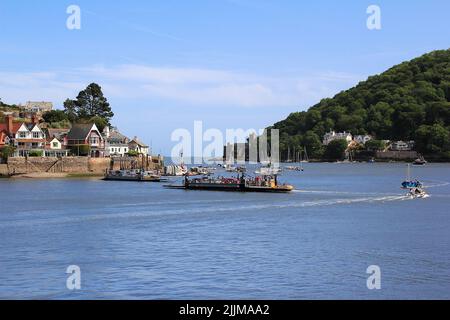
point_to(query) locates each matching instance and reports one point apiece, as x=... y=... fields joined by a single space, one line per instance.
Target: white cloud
x=184 y=86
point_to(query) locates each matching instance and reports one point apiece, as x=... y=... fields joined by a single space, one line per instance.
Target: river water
x=141 y=241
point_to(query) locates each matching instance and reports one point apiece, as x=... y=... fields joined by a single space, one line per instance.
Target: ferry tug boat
x=266 y=183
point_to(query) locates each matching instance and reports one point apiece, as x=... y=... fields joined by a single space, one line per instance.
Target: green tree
x=92 y=103
x=335 y=150
x=391 y=106
x=7 y=152
x=432 y=139
x=312 y=118
x=438 y=112
x=375 y=145
x=55 y=116
x=313 y=144
x=71 y=109
x=36 y=153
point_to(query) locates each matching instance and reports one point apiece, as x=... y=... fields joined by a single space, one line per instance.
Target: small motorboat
x=294 y=168
x=420 y=161
x=268 y=170
x=418 y=193
x=415 y=187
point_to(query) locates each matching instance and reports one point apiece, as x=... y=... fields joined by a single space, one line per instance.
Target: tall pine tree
x=89 y=103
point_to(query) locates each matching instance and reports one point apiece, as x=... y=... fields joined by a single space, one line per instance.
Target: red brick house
x=8 y=130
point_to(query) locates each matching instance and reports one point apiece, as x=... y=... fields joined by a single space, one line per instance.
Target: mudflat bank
x=54 y=175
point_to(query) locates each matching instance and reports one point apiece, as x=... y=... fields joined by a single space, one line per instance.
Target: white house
x=56 y=149
x=116 y=143
x=27 y=138
x=402 y=146
x=332 y=135
x=55 y=144
x=138 y=146
x=118 y=150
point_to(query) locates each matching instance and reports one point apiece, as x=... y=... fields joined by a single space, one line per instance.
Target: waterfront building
x=60 y=134
x=4 y=139
x=402 y=146
x=55 y=148
x=8 y=130
x=137 y=146
x=86 y=134
x=116 y=142
x=333 y=135
x=29 y=138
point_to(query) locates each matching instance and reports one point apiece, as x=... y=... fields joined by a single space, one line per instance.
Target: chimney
x=9 y=123
x=106 y=132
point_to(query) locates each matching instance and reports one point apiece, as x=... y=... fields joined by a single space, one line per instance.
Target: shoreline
x=49 y=175
x=99 y=176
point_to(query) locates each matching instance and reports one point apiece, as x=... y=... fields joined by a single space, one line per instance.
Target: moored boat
x=269 y=170
x=133 y=175
x=420 y=161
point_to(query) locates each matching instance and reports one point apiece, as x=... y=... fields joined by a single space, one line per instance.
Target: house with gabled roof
x=8 y=130
x=87 y=134
x=29 y=137
x=24 y=136
x=56 y=145
x=4 y=138
x=137 y=146
x=116 y=142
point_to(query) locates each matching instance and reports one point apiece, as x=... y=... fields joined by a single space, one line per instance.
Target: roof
x=80 y=131
x=115 y=137
x=139 y=143
x=57 y=133
x=16 y=127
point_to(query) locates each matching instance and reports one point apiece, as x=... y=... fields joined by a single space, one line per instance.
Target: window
x=55 y=145
x=22 y=135
x=36 y=135
x=93 y=140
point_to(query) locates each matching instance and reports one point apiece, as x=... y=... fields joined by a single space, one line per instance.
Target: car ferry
x=267 y=183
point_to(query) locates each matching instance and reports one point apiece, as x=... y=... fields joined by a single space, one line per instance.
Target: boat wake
x=332 y=192
x=154 y=213
x=436 y=184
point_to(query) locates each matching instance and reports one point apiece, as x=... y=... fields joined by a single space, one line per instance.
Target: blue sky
x=230 y=63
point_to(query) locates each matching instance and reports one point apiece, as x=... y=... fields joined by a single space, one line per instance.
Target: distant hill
x=410 y=101
x=6 y=108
